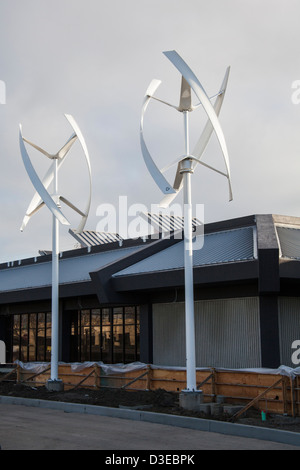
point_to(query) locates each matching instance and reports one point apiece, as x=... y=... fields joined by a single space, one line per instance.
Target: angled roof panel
x=74 y=269
x=220 y=247
x=289 y=241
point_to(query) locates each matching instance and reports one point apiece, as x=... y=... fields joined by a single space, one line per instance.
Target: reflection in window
x=16 y=337
x=31 y=337
x=41 y=328
x=110 y=335
x=48 y=337
x=118 y=336
x=95 y=334
x=131 y=334
x=105 y=345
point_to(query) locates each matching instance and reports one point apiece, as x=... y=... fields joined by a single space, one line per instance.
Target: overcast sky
x=94 y=59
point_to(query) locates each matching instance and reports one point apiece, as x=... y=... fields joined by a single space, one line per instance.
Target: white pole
x=187 y=171
x=55 y=279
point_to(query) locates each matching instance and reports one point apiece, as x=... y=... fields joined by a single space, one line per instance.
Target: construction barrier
x=270 y=390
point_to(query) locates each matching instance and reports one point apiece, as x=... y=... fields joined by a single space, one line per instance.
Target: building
x=123 y=301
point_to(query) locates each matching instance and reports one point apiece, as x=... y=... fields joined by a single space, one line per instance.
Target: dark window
x=106 y=343
x=31 y=337
x=110 y=335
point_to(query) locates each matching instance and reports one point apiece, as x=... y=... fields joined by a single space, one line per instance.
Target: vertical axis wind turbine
x=186 y=165
x=52 y=201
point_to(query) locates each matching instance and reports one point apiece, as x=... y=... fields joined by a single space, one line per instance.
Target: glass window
x=85 y=335
x=118 y=335
x=48 y=337
x=110 y=335
x=130 y=334
x=24 y=337
x=95 y=335
x=41 y=328
x=31 y=337
x=16 y=337
x=106 y=336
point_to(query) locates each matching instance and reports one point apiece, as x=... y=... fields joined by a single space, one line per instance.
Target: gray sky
x=94 y=59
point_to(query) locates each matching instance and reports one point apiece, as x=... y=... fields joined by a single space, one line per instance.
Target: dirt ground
x=159 y=401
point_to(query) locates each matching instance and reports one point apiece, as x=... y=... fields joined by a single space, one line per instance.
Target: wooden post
x=284 y=395
x=292 y=396
x=18 y=373
x=96 y=369
x=149 y=377
x=213 y=384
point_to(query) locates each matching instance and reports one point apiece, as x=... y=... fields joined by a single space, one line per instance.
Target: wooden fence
x=272 y=393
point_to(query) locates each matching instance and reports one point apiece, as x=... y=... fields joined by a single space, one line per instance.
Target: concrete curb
x=233 y=429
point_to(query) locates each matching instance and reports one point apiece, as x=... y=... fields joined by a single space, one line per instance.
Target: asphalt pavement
x=41 y=428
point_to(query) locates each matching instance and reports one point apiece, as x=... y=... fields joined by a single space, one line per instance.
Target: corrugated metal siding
x=289 y=239
x=220 y=247
x=168 y=334
x=289 y=327
x=227 y=333
x=70 y=270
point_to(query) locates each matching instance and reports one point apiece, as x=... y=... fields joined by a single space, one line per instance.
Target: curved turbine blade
x=200 y=146
x=154 y=84
x=177 y=185
x=46 y=181
x=208 y=130
x=87 y=159
x=38 y=185
x=154 y=171
x=199 y=91
x=204 y=138
x=65 y=149
x=28 y=215
x=167 y=200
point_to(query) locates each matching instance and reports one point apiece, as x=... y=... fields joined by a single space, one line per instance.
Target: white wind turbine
x=52 y=201
x=186 y=165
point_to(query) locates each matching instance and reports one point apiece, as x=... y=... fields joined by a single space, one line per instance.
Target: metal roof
x=289 y=242
x=219 y=247
x=74 y=269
